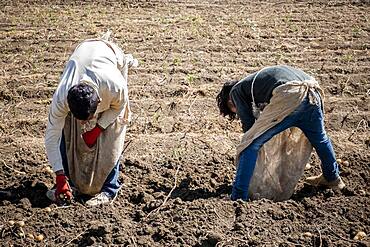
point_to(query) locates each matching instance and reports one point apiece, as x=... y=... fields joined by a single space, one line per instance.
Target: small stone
x=308 y=166
x=177 y=201
x=345 y=163
x=30 y=236
x=25 y=203
x=11 y=222
x=34 y=182
x=360 y=235
x=39 y=237
x=5 y=203
x=149 y=230
x=21 y=223
x=213 y=183
x=362 y=192
x=48 y=209
x=339 y=161
x=48 y=169
x=307 y=234
x=147 y=197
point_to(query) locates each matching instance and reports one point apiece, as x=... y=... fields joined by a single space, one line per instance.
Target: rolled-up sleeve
x=56 y=119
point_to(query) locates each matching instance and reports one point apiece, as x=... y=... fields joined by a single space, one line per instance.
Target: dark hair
x=82 y=100
x=222 y=99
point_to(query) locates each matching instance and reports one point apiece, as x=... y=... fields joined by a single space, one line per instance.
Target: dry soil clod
x=21 y=223
x=360 y=235
x=39 y=237
x=345 y=163
x=49 y=170
x=362 y=192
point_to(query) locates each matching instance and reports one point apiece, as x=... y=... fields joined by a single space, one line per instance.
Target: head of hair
x=83 y=101
x=222 y=99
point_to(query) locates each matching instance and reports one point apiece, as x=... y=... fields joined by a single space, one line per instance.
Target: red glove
x=91 y=136
x=63 y=192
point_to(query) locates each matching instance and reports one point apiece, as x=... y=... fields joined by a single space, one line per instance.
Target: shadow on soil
x=26 y=194
x=308 y=191
x=304 y=192
x=90 y=236
x=186 y=194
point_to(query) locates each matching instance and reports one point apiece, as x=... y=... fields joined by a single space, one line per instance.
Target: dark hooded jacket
x=267 y=80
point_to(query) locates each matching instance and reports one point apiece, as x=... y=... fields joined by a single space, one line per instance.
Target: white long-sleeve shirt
x=97 y=63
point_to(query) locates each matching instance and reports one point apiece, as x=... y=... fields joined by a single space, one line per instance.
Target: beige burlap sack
x=280 y=164
x=281 y=160
x=89 y=167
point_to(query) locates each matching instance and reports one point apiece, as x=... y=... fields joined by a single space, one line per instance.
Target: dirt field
x=178 y=164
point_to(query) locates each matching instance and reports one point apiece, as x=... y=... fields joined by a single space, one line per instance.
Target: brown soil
x=187 y=49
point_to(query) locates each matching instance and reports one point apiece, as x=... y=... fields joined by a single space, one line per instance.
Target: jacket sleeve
x=244 y=110
x=117 y=105
x=56 y=119
x=118 y=96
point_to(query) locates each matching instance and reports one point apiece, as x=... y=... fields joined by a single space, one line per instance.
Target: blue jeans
x=111 y=185
x=310 y=119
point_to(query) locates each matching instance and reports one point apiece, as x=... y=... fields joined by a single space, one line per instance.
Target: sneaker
x=101 y=198
x=319 y=180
